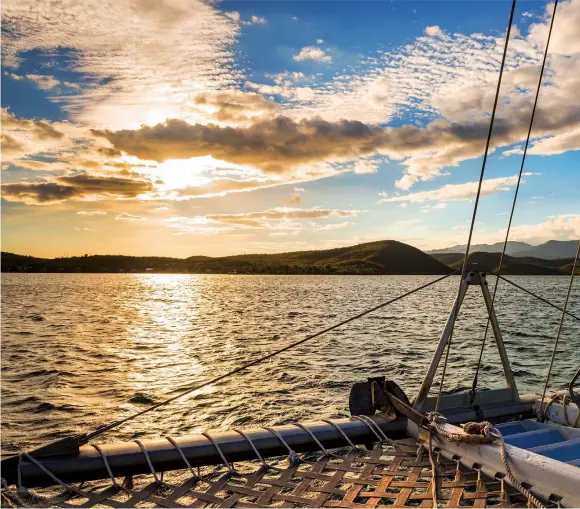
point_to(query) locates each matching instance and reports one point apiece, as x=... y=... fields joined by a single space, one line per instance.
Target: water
x=79 y=350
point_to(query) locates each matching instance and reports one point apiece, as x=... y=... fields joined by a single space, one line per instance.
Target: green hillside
x=382 y=257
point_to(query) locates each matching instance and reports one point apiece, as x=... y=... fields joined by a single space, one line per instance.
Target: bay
x=81 y=350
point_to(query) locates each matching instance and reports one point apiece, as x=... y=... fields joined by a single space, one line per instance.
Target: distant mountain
x=551 y=250
x=382 y=257
x=511 y=265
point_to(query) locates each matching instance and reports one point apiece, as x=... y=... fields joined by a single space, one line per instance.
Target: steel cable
x=485 y=154
x=559 y=331
x=475 y=378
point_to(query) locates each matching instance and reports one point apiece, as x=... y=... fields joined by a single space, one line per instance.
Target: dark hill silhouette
x=382 y=257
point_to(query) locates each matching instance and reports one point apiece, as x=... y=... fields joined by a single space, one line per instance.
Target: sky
x=184 y=127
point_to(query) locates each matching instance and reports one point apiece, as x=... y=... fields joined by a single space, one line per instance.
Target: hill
x=511 y=264
x=551 y=250
x=382 y=257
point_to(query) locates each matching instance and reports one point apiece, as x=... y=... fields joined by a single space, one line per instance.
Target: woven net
x=382 y=477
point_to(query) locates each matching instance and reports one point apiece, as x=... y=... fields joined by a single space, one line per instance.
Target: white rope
x=140 y=444
x=260 y=457
x=350 y=442
x=183 y=457
x=226 y=462
x=375 y=428
x=292 y=456
x=322 y=448
x=106 y=462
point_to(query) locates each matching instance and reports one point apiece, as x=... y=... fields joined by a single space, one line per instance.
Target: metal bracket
x=477 y=279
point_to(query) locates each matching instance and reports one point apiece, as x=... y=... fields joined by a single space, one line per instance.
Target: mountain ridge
x=550 y=250
x=379 y=257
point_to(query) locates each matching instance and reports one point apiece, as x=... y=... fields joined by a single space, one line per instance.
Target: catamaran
x=476 y=448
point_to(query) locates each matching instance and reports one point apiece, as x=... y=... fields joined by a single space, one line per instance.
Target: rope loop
x=322 y=448
x=140 y=444
x=229 y=466
x=265 y=464
x=293 y=457
x=116 y=485
x=183 y=457
x=345 y=436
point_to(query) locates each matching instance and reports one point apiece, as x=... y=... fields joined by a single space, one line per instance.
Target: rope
x=562 y=398
x=545 y=301
x=219 y=378
x=559 y=331
x=350 y=442
x=479 y=433
x=475 y=378
x=322 y=448
x=433 y=471
x=226 y=462
x=183 y=457
x=140 y=444
x=468 y=246
x=116 y=485
x=378 y=432
x=292 y=456
x=571 y=391
x=260 y=457
x=510 y=475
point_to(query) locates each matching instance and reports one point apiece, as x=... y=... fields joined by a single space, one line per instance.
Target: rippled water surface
x=79 y=350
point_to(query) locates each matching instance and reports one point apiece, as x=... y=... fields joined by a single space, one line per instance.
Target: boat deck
x=381 y=477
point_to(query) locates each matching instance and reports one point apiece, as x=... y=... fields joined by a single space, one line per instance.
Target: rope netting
x=385 y=475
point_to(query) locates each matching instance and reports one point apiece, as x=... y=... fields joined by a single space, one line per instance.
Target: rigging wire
x=559 y=330
x=475 y=378
x=103 y=429
x=545 y=301
x=485 y=154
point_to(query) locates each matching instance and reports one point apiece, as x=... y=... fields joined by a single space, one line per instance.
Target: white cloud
x=91 y=213
x=42 y=81
x=458 y=192
x=258 y=20
x=560 y=227
x=319 y=41
x=367 y=166
x=159 y=53
x=312 y=53
x=281 y=219
x=434 y=31
x=129 y=217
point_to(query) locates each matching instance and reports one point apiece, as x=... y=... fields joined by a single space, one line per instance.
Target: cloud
x=258 y=20
x=91 y=213
x=560 y=227
x=157 y=52
x=367 y=166
x=41 y=129
x=44 y=82
x=457 y=192
x=75 y=187
x=129 y=217
x=279 y=219
x=295 y=200
x=434 y=31
x=233 y=106
x=312 y=53
x=273 y=145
